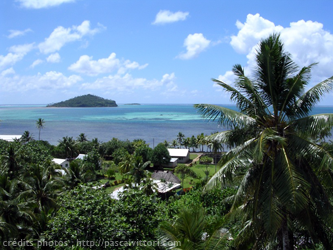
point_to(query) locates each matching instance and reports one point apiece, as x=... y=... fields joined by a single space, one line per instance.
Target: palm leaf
x=236 y=157
x=297 y=85
x=243 y=103
x=312 y=96
x=316 y=126
x=224 y=116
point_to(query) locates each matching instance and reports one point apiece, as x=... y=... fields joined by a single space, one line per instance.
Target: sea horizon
x=153 y=123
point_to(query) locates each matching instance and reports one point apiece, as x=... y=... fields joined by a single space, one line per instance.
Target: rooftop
x=178 y=152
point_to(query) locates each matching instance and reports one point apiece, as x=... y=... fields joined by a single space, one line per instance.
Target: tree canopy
x=287 y=177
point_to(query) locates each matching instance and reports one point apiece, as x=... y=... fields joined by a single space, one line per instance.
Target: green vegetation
x=284 y=197
x=85 y=101
x=40 y=125
x=272 y=189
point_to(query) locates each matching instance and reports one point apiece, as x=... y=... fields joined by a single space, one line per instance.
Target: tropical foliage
x=284 y=198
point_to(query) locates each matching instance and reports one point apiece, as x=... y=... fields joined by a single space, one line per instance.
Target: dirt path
x=195 y=159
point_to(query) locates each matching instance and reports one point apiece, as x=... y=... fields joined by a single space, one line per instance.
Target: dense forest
x=85 y=101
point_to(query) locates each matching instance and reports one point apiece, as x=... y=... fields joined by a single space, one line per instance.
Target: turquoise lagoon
x=152 y=122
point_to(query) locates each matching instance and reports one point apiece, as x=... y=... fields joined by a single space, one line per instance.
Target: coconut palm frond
x=312 y=152
x=224 y=116
x=222 y=137
x=251 y=89
x=295 y=86
x=291 y=188
x=316 y=126
x=229 y=162
x=312 y=96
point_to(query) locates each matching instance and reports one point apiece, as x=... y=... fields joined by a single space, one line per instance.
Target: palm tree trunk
x=287 y=236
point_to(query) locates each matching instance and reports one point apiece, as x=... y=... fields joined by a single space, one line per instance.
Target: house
x=182 y=154
x=166 y=176
x=10 y=138
x=164 y=180
x=62 y=162
x=80 y=156
x=172 y=164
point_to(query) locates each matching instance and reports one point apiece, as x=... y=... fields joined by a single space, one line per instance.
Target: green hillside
x=85 y=101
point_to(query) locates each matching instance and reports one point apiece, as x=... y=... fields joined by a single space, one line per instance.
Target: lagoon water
x=152 y=122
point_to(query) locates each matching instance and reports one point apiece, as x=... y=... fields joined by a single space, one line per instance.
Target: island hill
x=85 y=101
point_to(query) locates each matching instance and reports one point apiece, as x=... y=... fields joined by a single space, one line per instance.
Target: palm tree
x=42 y=185
x=193 y=143
x=126 y=163
x=288 y=177
x=174 y=143
x=10 y=160
x=82 y=138
x=192 y=231
x=26 y=137
x=216 y=146
x=40 y=125
x=201 y=140
x=138 y=170
x=180 y=138
x=186 y=142
x=69 y=145
x=16 y=216
x=166 y=143
x=76 y=174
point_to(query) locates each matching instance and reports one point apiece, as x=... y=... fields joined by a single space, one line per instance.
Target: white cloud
x=9 y=71
x=16 y=53
x=168 y=81
x=228 y=78
x=306 y=41
x=251 y=32
x=166 y=16
x=60 y=36
x=15 y=33
x=36 y=62
x=21 y=49
x=49 y=80
x=53 y=58
x=127 y=83
x=86 y=65
x=195 y=44
x=9 y=59
x=38 y=4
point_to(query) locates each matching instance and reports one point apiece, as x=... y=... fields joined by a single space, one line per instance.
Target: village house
x=182 y=154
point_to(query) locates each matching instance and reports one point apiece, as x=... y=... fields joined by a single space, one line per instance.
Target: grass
x=193 y=156
x=199 y=170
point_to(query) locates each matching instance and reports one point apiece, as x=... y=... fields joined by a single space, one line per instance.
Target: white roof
x=63 y=172
x=173 y=159
x=10 y=137
x=178 y=152
x=162 y=187
x=80 y=156
x=58 y=161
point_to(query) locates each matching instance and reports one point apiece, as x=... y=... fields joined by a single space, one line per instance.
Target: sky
x=150 y=51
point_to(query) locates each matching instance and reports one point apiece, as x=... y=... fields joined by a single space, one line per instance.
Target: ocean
x=153 y=123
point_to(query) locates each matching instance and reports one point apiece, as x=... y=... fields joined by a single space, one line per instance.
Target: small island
x=85 y=101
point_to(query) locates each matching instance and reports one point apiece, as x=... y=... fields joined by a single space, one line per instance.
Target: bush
x=206 y=160
x=88 y=214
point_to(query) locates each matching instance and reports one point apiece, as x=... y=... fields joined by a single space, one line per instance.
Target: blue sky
x=150 y=51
